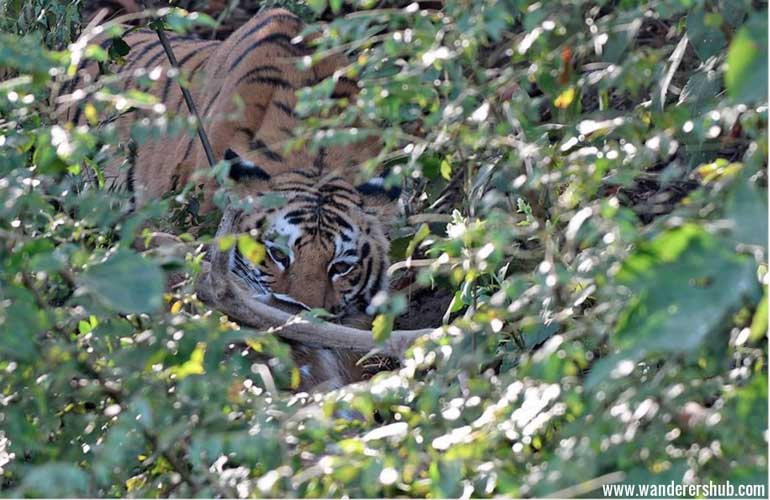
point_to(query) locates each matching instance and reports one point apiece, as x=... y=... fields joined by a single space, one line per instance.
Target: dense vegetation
x=591 y=180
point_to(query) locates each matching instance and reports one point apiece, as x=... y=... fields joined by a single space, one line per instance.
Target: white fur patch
x=282 y=228
x=290 y=300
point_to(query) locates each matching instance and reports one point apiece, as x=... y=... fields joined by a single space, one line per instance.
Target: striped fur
x=327 y=244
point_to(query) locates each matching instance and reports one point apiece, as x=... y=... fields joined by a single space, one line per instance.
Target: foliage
x=607 y=249
x=55 y=22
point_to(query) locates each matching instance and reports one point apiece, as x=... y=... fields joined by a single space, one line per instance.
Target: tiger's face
x=326 y=245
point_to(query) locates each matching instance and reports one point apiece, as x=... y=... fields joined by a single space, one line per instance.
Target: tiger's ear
x=242 y=170
x=378 y=199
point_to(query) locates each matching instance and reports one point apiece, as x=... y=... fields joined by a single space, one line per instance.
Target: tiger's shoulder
x=244 y=88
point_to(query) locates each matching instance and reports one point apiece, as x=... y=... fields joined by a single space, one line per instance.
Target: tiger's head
x=325 y=241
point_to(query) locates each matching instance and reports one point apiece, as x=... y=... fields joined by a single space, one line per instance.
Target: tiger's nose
x=315 y=293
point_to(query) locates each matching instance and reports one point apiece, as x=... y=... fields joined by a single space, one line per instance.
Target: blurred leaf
x=318 y=6
x=118 y=48
x=702 y=87
x=704 y=34
x=422 y=233
x=194 y=366
x=381 y=327
x=22 y=323
x=746 y=206
x=125 y=282
x=565 y=98
x=250 y=249
x=759 y=322
x=746 y=76
x=226 y=242
x=670 y=282
x=55 y=480
x=446 y=170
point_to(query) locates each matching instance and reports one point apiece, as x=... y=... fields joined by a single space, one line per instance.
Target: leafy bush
x=605 y=165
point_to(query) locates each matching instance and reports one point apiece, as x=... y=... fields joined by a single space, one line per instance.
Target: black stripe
x=296 y=213
x=71 y=84
x=78 y=112
x=190 y=77
x=365 y=281
x=132 y=153
x=151 y=45
x=127 y=83
x=211 y=102
x=154 y=60
x=195 y=69
x=267 y=21
x=274 y=82
x=320 y=159
x=285 y=108
x=169 y=81
x=243 y=130
x=350 y=81
x=340 y=221
x=341 y=95
x=256 y=70
x=261 y=147
x=147 y=45
x=239 y=171
x=378 y=276
x=281 y=39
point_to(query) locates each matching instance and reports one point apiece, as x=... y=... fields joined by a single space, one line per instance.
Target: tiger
x=326 y=245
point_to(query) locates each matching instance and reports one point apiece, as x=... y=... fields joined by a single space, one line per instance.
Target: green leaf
x=55 y=480
x=318 y=6
x=704 y=34
x=126 y=282
x=446 y=170
x=271 y=200
x=21 y=322
x=699 y=89
x=746 y=206
x=194 y=366
x=671 y=280
x=118 y=48
x=336 y=5
x=537 y=333
x=87 y=326
x=46 y=157
x=759 y=322
x=381 y=327
x=226 y=242
x=746 y=76
x=250 y=249
x=421 y=234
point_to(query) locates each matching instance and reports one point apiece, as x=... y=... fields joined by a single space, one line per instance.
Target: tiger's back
x=258 y=64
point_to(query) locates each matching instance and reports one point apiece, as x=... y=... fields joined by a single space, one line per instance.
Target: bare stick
x=187 y=97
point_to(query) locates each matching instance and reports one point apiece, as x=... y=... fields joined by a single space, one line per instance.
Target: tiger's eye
x=340 y=268
x=279 y=256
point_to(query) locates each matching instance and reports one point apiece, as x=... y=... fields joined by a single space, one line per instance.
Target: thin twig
x=187 y=97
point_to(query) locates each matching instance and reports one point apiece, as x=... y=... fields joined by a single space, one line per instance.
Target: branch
x=222 y=290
